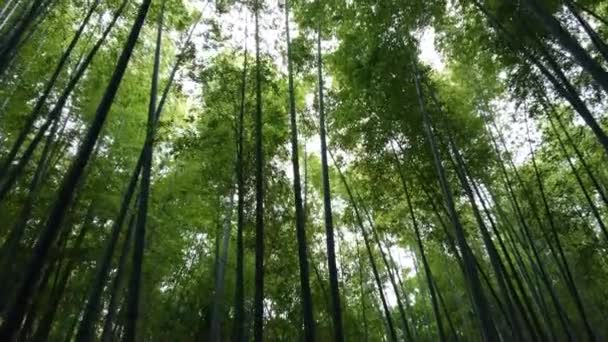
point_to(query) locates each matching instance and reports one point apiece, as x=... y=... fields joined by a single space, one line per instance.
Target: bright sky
x=428 y=52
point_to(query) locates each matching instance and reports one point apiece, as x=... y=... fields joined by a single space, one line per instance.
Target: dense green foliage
x=465 y=191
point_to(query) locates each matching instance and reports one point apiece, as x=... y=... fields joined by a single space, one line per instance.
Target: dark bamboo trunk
x=239 y=297
x=536 y=260
x=531 y=322
x=10 y=43
x=35 y=113
x=594 y=210
x=495 y=259
x=559 y=258
x=383 y=254
x=564 y=87
x=569 y=43
x=513 y=239
x=52 y=269
x=313 y=263
x=329 y=225
x=446 y=311
x=561 y=85
x=10 y=175
x=144 y=196
x=590 y=12
x=12 y=242
x=396 y=289
x=258 y=299
x=567 y=274
x=103 y=266
x=597 y=41
x=306 y=296
x=480 y=303
x=362 y=294
x=66 y=192
x=458 y=255
x=222 y=259
x=364 y=233
x=528 y=272
x=85 y=329
x=404 y=290
x=117 y=283
x=600 y=188
x=513 y=305
x=44 y=326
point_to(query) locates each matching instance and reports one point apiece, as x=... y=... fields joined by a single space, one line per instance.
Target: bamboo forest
x=303 y=170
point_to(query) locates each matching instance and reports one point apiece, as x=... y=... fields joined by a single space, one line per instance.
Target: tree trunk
x=495 y=260
x=44 y=326
x=10 y=175
x=31 y=119
x=239 y=297
x=85 y=329
x=594 y=210
x=362 y=295
x=563 y=87
x=425 y=263
x=364 y=233
x=329 y=225
x=597 y=41
x=8 y=45
x=560 y=256
x=53 y=268
x=144 y=196
x=12 y=242
x=258 y=300
x=66 y=192
x=569 y=43
x=103 y=267
x=396 y=290
x=481 y=305
x=117 y=283
x=535 y=324
x=218 y=297
x=306 y=296
x=536 y=260
x=587 y=10
x=596 y=183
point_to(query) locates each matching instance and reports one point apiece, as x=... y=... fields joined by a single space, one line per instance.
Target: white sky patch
x=428 y=51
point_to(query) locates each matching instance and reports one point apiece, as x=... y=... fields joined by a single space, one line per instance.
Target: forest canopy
x=304 y=170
